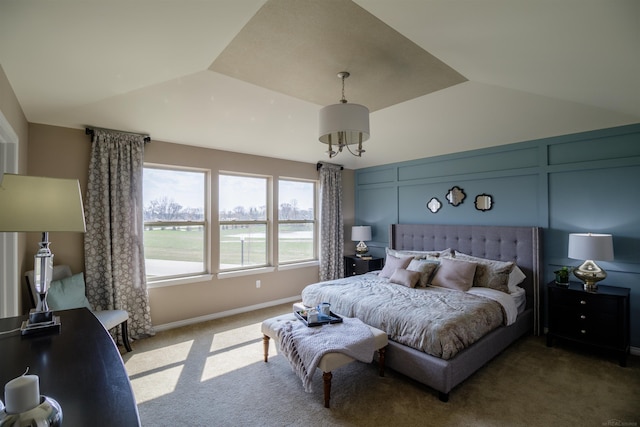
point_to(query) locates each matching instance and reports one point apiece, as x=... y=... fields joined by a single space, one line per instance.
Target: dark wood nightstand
x=354 y=265
x=599 y=318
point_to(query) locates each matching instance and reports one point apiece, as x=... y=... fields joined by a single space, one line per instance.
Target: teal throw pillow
x=68 y=293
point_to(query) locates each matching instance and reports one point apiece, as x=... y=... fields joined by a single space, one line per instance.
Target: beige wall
x=12 y=111
x=63 y=152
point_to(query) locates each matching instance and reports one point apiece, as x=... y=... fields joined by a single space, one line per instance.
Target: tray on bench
x=322 y=319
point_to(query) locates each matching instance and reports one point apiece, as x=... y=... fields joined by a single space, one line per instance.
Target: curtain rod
x=89 y=131
x=319 y=165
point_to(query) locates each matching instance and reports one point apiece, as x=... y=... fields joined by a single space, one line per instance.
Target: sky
x=187 y=187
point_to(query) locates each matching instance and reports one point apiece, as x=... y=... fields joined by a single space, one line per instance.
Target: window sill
x=247 y=272
x=296 y=265
x=179 y=281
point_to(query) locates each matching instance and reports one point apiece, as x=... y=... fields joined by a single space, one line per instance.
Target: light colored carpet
x=213 y=374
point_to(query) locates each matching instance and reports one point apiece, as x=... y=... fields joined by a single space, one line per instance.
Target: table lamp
x=37 y=204
x=361 y=233
x=590 y=247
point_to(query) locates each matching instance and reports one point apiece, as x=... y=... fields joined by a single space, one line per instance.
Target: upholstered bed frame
x=520 y=244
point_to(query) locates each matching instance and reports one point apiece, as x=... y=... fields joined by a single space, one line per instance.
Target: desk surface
x=80 y=368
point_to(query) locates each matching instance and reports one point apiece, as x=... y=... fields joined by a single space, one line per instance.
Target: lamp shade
x=37 y=204
x=588 y=246
x=361 y=233
x=349 y=121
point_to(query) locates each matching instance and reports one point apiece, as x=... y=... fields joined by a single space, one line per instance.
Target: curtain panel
x=331 y=227
x=114 y=249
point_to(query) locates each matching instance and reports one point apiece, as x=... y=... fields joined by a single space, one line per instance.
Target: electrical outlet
x=258 y=283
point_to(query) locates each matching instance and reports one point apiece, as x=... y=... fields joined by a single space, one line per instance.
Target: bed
x=443 y=368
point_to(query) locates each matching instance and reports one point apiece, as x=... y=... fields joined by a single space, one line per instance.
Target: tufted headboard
x=520 y=244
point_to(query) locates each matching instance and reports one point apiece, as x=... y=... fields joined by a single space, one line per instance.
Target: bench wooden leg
x=125 y=336
x=381 y=354
x=265 y=344
x=326 y=377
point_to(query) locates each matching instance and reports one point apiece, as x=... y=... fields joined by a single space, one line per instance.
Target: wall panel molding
x=570 y=183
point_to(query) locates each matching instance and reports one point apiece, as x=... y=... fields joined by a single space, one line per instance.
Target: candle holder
x=47 y=413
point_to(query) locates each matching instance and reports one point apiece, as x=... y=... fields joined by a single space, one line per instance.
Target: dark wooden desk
x=80 y=368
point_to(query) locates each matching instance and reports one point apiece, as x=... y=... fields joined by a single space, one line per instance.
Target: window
x=243 y=206
x=175 y=222
x=296 y=221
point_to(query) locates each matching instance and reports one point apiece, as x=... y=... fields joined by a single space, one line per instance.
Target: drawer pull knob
x=583 y=302
x=583 y=331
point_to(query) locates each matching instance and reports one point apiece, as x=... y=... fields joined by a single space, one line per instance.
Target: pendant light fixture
x=342 y=125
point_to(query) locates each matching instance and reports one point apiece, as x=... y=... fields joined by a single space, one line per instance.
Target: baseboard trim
x=213 y=316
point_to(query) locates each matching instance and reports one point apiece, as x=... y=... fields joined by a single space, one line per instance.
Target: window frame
x=314 y=222
x=190 y=277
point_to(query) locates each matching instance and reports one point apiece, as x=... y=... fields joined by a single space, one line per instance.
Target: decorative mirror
x=434 y=205
x=456 y=195
x=484 y=202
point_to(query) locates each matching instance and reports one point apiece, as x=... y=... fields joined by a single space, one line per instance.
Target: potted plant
x=562 y=276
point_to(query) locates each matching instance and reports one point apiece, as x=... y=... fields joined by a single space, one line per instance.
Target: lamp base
x=361 y=249
x=51 y=326
x=590 y=274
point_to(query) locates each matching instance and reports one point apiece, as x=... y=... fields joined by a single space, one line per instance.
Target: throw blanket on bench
x=304 y=346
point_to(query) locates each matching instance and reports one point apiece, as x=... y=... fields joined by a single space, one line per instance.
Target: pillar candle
x=22 y=394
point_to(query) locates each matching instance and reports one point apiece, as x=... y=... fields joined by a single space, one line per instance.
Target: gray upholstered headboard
x=520 y=244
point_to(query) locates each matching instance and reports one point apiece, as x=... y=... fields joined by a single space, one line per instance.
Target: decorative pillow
x=454 y=274
x=391 y=263
x=425 y=268
x=490 y=273
x=515 y=278
x=68 y=293
x=404 y=277
x=420 y=254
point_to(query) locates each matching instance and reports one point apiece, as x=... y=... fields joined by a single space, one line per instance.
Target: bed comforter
x=438 y=321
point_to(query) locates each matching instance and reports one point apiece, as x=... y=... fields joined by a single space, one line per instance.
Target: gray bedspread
x=438 y=321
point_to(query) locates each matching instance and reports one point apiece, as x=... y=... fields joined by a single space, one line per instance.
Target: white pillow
x=419 y=254
x=515 y=278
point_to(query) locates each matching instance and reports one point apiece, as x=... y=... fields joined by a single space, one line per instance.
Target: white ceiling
x=535 y=69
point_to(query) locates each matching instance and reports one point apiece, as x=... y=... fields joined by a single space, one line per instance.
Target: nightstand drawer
x=586 y=302
x=591 y=330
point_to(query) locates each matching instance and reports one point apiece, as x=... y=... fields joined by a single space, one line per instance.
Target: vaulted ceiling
x=439 y=76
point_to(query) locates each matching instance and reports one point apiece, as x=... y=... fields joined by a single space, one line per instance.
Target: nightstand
x=354 y=265
x=599 y=319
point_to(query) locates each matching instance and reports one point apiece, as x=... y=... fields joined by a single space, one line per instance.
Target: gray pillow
x=68 y=293
x=425 y=268
x=404 y=277
x=454 y=274
x=391 y=263
x=490 y=273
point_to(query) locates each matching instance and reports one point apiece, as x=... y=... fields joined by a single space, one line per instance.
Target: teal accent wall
x=584 y=182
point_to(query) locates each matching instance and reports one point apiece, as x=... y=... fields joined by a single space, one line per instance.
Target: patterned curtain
x=332 y=234
x=113 y=244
